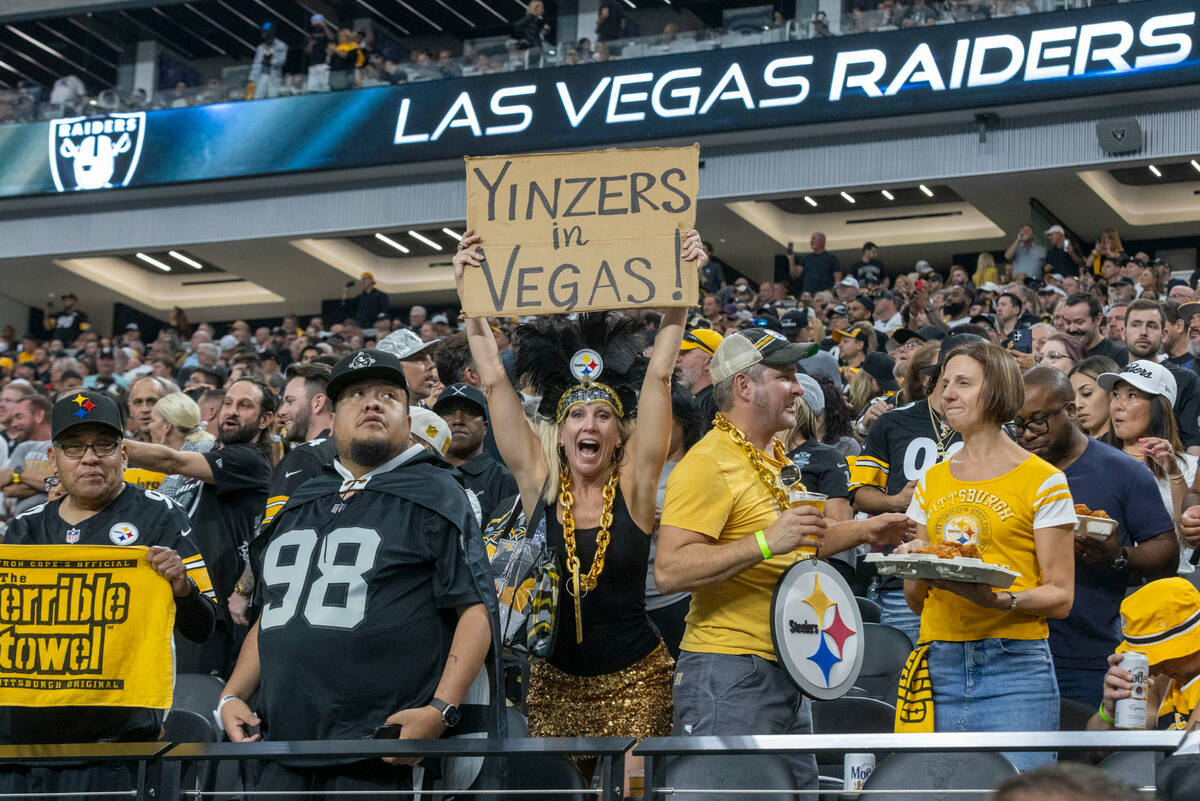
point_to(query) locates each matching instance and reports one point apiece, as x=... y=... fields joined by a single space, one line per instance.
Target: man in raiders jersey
x=902 y=444
x=378 y=606
x=99 y=508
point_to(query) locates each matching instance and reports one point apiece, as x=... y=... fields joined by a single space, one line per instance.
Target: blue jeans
x=738 y=694
x=995 y=685
x=894 y=611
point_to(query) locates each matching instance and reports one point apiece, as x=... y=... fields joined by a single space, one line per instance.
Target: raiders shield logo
x=361 y=360
x=98 y=152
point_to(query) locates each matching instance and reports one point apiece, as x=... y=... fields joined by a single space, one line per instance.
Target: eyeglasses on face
x=76 y=450
x=1037 y=425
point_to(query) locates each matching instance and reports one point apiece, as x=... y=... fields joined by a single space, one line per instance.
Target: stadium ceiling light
x=189 y=261
x=425 y=239
x=1155 y=170
x=887 y=194
x=928 y=192
x=810 y=201
x=387 y=240
x=849 y=197
x=630 y=4
x=1195 y=165
x=166 y=268
x=452 y=233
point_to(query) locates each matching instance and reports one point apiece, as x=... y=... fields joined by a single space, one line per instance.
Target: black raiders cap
x=461 y=393
x=86 y=407
x=364 y=365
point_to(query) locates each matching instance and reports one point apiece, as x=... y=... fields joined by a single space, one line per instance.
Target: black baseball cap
x=364 y=365
x=767 y=321
x=879 y=366
x=86 y=407
x=460 y=393
x=948 y=344
x=793 y=321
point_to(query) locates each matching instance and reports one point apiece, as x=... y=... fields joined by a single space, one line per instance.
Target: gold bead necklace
x=580 y=585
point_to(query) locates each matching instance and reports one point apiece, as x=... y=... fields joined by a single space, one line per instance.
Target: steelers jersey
x=135 y=517
x=360 y=598
x=900 y=447
x=1177 y=706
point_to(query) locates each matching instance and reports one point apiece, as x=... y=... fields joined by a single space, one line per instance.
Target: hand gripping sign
x=572 y=232
x=84 y=626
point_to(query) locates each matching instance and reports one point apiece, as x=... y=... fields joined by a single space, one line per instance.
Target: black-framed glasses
x=76 y=450
x=1038 y=425
x=688 y=336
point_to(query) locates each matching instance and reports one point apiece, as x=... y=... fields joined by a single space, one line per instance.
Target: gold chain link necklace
x=765 y=474
x=578 y=585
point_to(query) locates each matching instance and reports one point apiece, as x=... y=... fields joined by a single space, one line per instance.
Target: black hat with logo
x=460 y=393
x=364 y=365
x=86 y=407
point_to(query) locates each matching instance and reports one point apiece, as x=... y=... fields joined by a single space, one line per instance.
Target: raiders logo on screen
x=97 y=152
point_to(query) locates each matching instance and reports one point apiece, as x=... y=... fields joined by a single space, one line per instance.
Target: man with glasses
x=1143 y=546
x=99 y=508
x=691 y=368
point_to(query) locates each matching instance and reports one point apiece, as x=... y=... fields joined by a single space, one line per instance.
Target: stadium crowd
x=984 y=405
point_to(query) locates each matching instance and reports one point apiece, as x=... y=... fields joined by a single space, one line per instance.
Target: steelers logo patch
x=964 y=525
x=123 y=534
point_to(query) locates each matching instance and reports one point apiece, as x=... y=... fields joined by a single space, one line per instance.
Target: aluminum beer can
x=1131 y=711
x=856 y=769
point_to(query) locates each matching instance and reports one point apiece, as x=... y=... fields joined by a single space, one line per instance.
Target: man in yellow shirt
x=724 y=539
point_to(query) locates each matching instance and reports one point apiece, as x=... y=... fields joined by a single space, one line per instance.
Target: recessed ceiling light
x=887 y=194
x=425 y=239
x=189 y=261
x=849 y=198
x=1155 y=170
x=928 y=192
x=387 y=240
x=451 y=232
x=810 y=201
x=1195 y=165
x=166 y=268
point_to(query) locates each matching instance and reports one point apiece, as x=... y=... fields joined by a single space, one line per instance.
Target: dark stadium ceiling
x=92 y=45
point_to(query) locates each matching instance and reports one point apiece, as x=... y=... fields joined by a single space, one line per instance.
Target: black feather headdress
x=546 y=347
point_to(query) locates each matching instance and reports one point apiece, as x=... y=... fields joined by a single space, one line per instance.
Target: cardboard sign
x=84 y=626
x=572 y=232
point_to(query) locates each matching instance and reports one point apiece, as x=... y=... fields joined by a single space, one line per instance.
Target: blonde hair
x=985 y=269
x=182 y=412
x=807 y=425
x=547 y=432
x=818 y=328
x=861 y=390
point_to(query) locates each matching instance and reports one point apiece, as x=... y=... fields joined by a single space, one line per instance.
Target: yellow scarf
x=914 y=705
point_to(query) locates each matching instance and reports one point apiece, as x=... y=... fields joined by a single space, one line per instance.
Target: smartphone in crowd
x=388 y=731
x=1022 y=340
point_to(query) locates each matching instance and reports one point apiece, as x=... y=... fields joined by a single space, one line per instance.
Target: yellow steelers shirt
x=715 y=491
x=1177 y=705
x=144 y=479
x=998 y=516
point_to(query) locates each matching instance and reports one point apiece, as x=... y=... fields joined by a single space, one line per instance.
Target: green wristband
x=1104 y=716
x=762 y=544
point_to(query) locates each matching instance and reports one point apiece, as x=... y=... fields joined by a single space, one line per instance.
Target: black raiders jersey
x=360 y=598
x=135 y=517
x=900 y=447
x=300 y=464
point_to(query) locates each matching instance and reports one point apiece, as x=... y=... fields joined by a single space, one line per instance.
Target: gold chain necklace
x=765 y=474
x=941 y=430
x=579 y=585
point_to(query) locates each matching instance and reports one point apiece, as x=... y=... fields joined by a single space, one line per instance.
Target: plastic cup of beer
x=804 y=498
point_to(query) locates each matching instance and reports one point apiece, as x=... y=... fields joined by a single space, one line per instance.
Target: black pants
x=669 y=620
x=371 y=775
x=94 y=777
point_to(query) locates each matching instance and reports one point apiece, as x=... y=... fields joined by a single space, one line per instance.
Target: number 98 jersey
x=360 y=602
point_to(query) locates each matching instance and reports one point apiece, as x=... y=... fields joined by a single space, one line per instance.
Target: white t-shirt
x=1187 y=463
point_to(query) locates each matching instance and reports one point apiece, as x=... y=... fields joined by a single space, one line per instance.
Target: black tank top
x=616 y=629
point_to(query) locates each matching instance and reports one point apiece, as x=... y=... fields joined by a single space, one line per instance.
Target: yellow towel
x=914 y=705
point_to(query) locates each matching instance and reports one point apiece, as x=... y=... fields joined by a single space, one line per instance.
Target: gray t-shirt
x=30 y=454
x=1028 y=260
x=654 y=599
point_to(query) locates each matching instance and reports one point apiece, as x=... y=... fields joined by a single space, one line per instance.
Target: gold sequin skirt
x=634 y=702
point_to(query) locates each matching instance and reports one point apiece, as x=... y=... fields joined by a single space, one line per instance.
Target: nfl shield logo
x=73 y=536
x=98 y=152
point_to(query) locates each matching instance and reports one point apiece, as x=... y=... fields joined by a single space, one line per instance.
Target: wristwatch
x=450 y=714
x=1122 y=560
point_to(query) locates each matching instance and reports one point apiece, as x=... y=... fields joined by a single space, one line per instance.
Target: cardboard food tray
x=1098 y=528
x=929 y=566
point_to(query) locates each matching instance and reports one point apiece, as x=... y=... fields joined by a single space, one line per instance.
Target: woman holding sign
x=588 y=477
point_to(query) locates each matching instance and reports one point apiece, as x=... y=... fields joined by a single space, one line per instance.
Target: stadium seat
x=869 y=610
x=885 y=650
x=849 y=715
x=1073 y=716
x=185 y=726
x=1138 y=768
x=742 y=771
x=199 y=693
x=545 y=772
x=937 y=773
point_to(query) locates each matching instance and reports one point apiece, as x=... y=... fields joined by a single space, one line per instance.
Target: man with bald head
x=1142 y=546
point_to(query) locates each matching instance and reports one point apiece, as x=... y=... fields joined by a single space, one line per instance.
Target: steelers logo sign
x=817 y=630
x=586 y=364
x=123 y=534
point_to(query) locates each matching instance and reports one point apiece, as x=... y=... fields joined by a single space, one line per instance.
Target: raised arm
x=518 y=443
x=651 y=440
